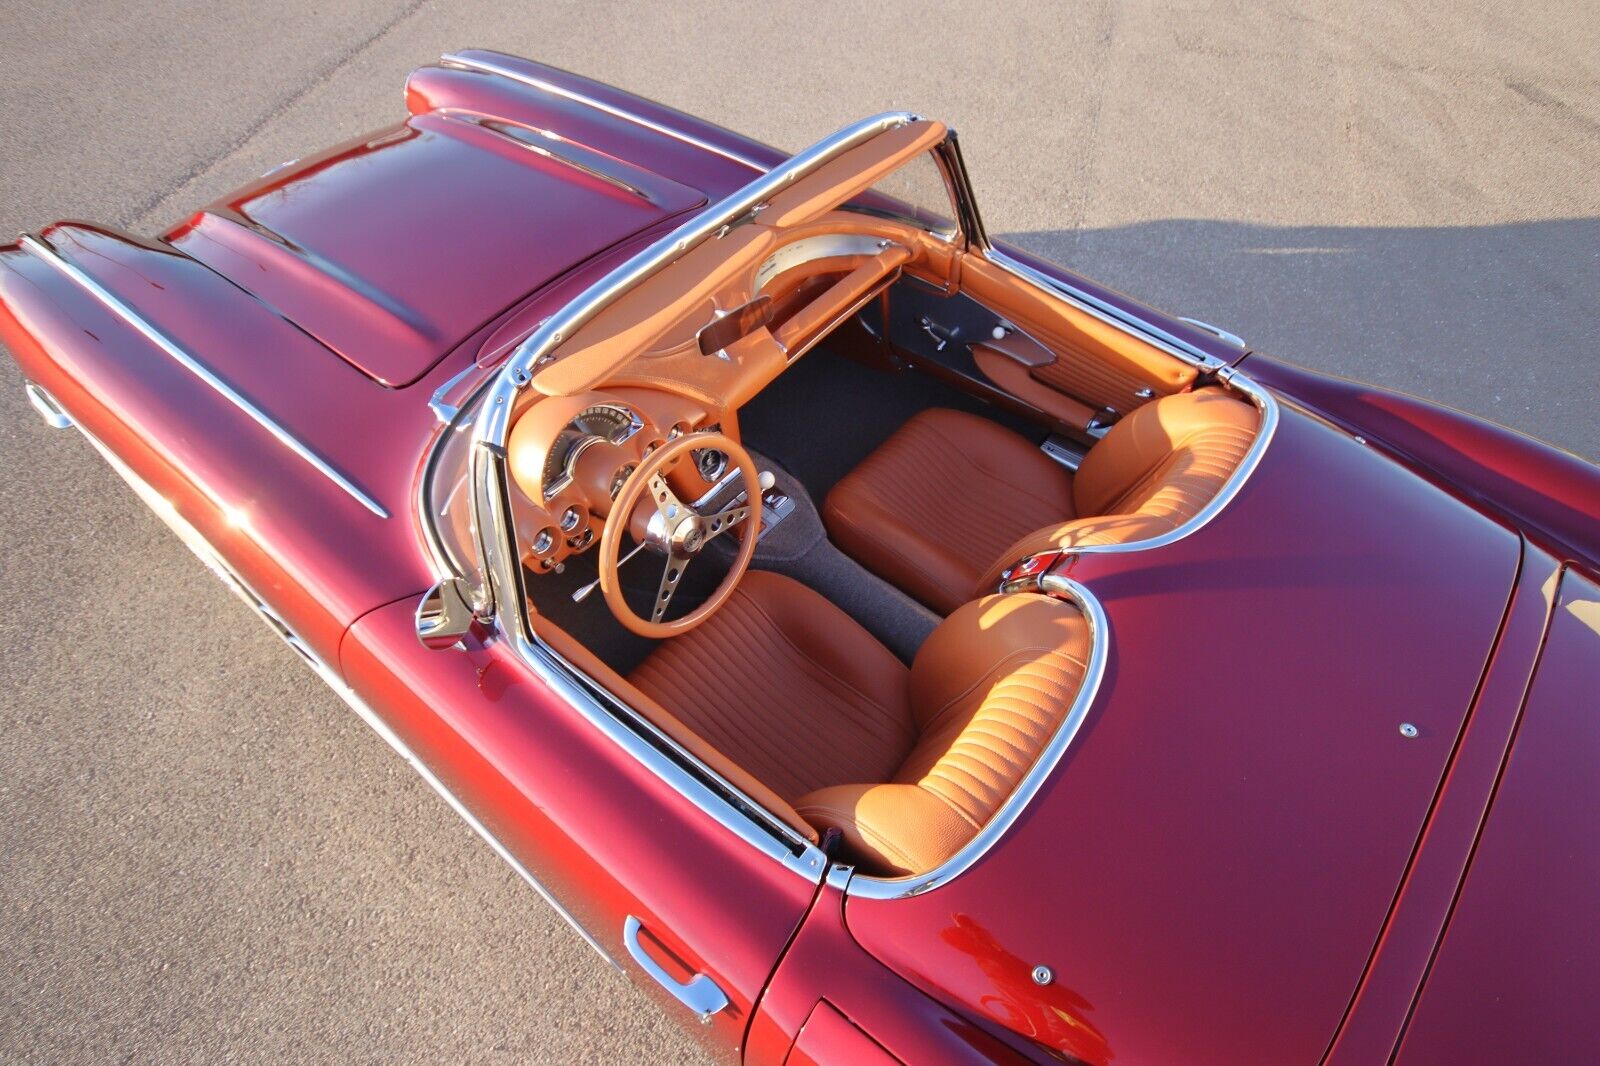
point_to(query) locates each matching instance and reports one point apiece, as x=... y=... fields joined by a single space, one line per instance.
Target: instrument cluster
x=571 y=456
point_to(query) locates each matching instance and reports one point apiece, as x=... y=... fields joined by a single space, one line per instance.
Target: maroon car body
x=1335 y=796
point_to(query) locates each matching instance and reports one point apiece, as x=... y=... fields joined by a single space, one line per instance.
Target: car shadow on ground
x=1502 y=321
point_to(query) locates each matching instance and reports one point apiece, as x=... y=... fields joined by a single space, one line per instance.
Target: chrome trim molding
x=504 y=599
x=202 y=550
x=1232 y=338
x=49 y=255
x=488 y=66
x=868 y=887
x=46 y=405
x=1110 y=314
x=1267 y=405
x=776 y=840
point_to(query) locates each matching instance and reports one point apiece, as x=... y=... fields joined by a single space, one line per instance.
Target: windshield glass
x=915 y=192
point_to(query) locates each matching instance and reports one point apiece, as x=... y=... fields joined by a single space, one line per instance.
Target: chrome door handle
x=700 y=993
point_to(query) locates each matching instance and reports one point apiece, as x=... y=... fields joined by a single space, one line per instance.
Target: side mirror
x=443 y=616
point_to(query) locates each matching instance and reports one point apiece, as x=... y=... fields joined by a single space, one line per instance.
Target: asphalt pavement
x=204 y=855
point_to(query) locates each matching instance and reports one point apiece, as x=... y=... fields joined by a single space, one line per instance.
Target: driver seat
x=907 y=763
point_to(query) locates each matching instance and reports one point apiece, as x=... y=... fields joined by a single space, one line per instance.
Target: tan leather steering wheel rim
x=684 y=532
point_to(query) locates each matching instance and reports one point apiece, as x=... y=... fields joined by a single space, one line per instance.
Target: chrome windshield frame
x=491 y=499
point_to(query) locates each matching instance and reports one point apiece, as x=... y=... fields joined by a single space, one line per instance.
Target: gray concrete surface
x=203 y=855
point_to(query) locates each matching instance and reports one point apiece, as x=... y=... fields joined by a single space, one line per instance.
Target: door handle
x=700 y=993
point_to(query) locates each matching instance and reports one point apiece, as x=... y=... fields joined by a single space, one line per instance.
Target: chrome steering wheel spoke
x=725 y=519
x=671 y=574
x=666 y=500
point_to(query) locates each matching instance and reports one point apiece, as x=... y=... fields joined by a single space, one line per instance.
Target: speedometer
x=603 y=423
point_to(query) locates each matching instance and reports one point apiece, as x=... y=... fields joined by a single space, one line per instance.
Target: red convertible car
x=881 y=644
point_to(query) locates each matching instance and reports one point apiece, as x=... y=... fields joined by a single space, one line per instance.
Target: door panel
x=1095 y=363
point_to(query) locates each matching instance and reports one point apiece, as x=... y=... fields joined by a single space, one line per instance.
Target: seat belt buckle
x=1026 y=575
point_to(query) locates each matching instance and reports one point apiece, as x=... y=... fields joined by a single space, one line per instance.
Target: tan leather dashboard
x=723 y=266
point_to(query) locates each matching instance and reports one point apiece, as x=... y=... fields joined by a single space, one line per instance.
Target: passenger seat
x=952 y=499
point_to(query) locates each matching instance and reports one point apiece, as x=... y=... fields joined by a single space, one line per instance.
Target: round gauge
x=570 y=519
x=543 y=541
x=620 y=478
x=710 y=462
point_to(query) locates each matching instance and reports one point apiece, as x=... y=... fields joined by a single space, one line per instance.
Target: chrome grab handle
x=700 y=993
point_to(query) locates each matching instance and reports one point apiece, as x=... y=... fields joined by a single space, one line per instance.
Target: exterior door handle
x=700 y=993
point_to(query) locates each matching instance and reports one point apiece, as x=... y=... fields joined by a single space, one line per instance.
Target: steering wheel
x=679 y=530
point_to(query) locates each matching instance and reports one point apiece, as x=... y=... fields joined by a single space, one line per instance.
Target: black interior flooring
x=826 y=413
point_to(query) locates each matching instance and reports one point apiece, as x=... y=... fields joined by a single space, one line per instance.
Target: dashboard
x=570 y=457
x=683 y=356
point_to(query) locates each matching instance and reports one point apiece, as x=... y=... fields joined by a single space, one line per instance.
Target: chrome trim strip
x=1232 y=338
x=545 y=147
x=46 y=405
x=487 y=66
x=196 y=543
x=868 y=887
x=1267 y=405
x=49 y=255
x=1105 y=312
x=798 y=854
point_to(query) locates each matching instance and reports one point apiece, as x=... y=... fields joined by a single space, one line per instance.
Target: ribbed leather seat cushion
x=1153 y=472
x=788 y=687
x=989 y=689
x=937 y=501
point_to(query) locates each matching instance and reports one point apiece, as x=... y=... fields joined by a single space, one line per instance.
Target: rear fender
x=1551 y=495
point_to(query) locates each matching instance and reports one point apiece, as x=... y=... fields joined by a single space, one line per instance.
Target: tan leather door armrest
x=1016 y=378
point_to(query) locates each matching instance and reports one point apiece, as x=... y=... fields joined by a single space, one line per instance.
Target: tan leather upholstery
x=1151 y=473
x=929 y=510
x=989 y=688
x=581 y=657
x=940 y=499
x=788 y=686
x=907 y=763
x=1097 y=363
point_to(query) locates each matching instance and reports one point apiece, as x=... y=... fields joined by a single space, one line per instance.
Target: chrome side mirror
x=443 y=616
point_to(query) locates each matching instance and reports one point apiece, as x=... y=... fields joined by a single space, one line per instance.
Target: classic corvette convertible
x=880 y=643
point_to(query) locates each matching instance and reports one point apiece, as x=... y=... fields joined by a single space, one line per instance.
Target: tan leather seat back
x=1154 y=471
x=989 y=688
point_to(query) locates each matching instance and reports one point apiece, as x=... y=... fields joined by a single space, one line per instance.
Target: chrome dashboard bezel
x=570 y=462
